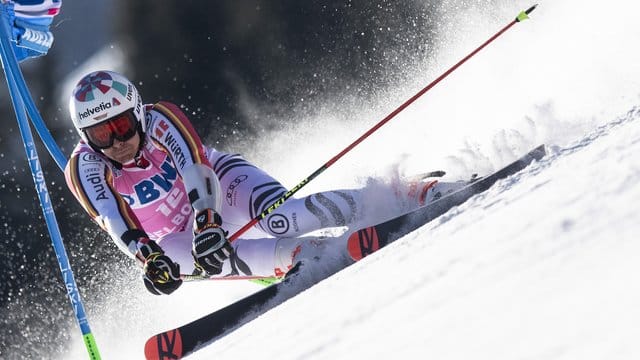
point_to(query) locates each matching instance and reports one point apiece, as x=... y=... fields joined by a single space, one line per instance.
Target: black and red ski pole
x=521 y=17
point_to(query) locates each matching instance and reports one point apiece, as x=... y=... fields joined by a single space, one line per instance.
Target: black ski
x=181 y=341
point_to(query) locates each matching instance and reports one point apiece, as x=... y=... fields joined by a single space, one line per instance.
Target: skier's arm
x=170 y=129
x=88 y=176
x=29 y=21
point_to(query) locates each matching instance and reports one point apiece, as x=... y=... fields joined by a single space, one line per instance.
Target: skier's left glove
x=160 y=274
x=210 y=245
x=29 y=23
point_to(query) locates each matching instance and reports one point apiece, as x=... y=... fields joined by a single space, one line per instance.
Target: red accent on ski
x=423 y=194
x=167 y=345
x=363 y=242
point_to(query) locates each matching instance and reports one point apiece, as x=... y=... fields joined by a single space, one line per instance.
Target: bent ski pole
x=9 y=62
x=521 y=17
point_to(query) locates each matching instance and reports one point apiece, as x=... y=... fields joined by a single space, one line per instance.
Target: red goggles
x=122 y=127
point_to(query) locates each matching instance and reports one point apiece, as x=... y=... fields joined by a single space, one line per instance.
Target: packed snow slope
x=542 y=266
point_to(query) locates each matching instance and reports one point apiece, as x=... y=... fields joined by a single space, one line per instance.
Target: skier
x=143 y=174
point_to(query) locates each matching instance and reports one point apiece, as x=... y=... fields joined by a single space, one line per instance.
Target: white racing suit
x=148 y=196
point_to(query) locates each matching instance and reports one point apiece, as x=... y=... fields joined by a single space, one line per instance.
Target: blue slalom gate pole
x=11 y=65
x=16 y=83
x=34 y=114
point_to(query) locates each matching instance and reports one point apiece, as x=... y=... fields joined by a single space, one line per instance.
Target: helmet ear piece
x=141 y=130
x=141 y=115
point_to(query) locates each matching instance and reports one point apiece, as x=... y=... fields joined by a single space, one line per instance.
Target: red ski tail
x=164 y=346
x=363 y=242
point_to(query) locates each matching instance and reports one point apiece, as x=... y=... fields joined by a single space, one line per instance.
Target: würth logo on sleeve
x=161 y=128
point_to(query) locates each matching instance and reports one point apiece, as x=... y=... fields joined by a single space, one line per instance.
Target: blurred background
x=241 y=69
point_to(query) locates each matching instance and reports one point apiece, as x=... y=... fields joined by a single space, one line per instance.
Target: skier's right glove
x=160 y=274
x=210 y=245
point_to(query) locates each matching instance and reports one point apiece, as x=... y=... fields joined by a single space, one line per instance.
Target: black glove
x=161 y=275
x=210 y=245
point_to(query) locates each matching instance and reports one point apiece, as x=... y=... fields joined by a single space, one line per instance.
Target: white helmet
x=102 y=95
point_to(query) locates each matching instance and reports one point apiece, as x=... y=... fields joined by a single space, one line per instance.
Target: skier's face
x=123 y=151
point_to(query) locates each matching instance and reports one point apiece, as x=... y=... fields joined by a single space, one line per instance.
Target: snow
x=542 y=266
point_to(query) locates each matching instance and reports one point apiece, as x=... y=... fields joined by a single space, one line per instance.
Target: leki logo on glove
x=102 y=82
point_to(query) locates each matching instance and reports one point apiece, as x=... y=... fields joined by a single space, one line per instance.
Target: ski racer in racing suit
x=143 y=174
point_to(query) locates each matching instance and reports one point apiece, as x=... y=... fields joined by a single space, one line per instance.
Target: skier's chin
x=122 y=155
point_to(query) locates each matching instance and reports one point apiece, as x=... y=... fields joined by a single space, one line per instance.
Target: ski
x=184 y=340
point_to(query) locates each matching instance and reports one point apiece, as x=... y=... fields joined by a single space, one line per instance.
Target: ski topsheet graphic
x=183 y=340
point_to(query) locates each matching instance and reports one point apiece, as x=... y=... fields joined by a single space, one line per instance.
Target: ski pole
x=521 y=17
x=8 y=58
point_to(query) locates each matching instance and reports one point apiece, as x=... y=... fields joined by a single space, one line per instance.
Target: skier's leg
x=327 y=209
x=248 y=191
x=253 y=257
x=324 y=255
x=354 y=208
x=415 y=194
x=177 y=246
